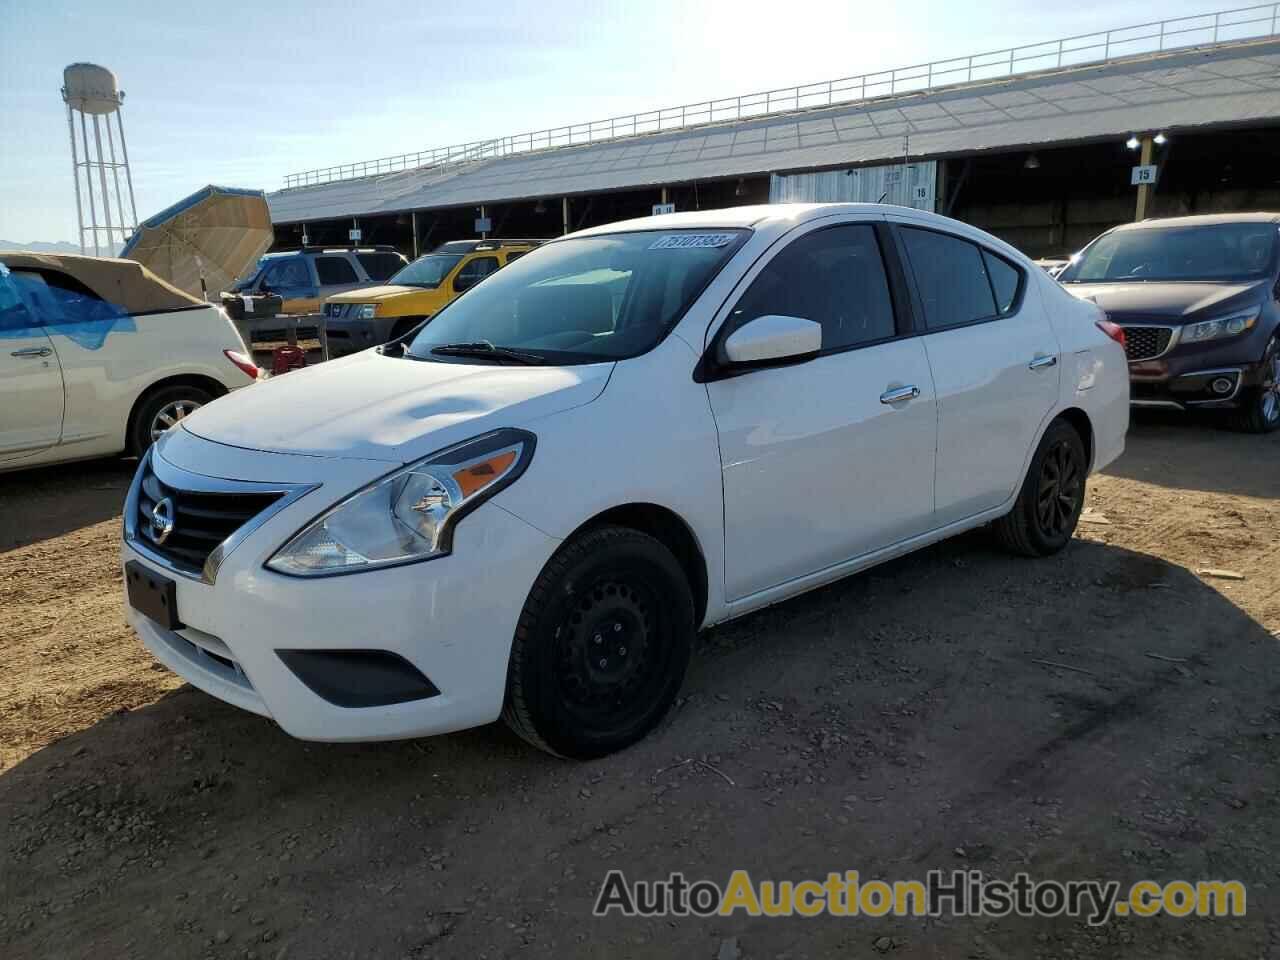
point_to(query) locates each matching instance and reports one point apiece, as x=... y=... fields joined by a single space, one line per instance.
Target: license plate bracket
x=152 y=595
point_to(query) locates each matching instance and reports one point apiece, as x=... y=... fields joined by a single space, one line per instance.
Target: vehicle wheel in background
x=159 y=411
x=1259 y=410
x=601 y=646
x=1052 y=496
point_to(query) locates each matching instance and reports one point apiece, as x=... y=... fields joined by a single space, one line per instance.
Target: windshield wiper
x=487 y=351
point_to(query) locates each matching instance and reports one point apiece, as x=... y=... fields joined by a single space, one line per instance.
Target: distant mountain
x=40 y=246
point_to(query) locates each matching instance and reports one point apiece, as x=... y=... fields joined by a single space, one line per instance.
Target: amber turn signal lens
x=479 y=475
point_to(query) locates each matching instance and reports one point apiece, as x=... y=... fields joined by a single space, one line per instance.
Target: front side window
x=834 y=277
x=427 y=272
x=473 y=272
x=588 y=299
x=335 y=270
x=951 y=277
x=1220 y=252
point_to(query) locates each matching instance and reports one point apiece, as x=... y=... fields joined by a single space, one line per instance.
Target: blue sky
x=240 y=93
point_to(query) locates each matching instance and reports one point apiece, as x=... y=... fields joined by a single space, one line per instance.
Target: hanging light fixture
x=741 y=189
x=1160 y=140
x=1032 y=162
x=541 y=207
x=1133 y=143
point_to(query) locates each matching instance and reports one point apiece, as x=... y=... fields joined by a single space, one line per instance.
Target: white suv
x=631 y=433
x=99 y=356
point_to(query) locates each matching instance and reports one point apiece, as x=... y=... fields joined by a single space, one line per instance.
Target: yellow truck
x=358 y=319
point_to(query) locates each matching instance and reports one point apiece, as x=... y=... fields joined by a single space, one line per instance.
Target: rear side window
x=1005 y=281
x=380 y=266
x=834 y=277
x=951 y=277
x=473 y=271
x=515 y=255
x=335 y=270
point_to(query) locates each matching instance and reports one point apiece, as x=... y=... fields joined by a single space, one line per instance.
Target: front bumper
x=1213 y=375
x=452 y=618
x=346 y=335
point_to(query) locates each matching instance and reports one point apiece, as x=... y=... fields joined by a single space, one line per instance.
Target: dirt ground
x=1104 y=713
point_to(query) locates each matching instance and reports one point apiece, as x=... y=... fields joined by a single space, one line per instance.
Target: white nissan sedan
x=528 y=506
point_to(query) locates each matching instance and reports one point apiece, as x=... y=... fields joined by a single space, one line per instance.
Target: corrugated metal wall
x=912 y=186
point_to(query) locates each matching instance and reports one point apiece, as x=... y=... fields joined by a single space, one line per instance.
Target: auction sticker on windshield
x=685 y=241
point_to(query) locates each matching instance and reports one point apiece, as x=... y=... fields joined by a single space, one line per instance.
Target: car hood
x=376 y=407
x=374 y=294
x=1175 y=302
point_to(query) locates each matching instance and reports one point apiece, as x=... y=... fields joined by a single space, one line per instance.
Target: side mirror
x=773 y=338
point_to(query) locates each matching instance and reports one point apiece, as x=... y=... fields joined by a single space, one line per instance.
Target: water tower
x=90 y=93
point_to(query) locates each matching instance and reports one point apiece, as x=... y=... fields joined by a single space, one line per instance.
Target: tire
x=168 y=403
x=602 y=645
x=1048 y=507
x=1259 y=410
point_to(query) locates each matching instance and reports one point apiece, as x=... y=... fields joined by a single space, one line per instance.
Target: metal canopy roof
x=1227 y=84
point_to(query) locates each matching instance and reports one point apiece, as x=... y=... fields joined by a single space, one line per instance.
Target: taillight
x=1112 y=330
x=246 y=365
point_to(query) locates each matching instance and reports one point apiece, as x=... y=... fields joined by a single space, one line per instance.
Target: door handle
x=1043 y=363
x=32 y=352
x=898 y=394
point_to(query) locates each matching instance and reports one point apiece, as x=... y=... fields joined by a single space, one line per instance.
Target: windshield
x=1209 y=252
x=586 y=300
x=249 y=274
x=428 y=271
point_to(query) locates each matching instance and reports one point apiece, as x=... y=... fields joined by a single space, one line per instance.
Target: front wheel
x=602 y=645
x=1048 y=507
x=162 y=410
x=1259 y=410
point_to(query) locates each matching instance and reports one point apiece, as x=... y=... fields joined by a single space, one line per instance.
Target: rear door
x=995 y=363
x=820 y=462
x=31 y=395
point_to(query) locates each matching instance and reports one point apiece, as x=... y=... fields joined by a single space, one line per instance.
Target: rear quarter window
x=335 y=270
x=380 y=266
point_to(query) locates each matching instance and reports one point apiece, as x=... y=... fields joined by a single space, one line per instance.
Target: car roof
x=494 y=243
x=759 y=215
x=1201 y=220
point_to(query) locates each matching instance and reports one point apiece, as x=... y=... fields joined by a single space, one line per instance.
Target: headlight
x=364 y=311
x=410 y=514
x=1233 y=324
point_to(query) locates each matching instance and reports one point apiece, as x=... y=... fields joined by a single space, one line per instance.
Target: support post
x=484 y=234
x=75 y=173
x=564 y=211
x=88 y=184
x=1144 y=189
x=106 y=197
x=413 y=220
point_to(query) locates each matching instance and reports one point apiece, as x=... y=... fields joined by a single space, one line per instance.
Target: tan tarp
x=218 y=231
x=125 y=283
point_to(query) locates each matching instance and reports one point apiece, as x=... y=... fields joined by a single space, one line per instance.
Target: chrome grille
x=1145 y=343
x=200 y=520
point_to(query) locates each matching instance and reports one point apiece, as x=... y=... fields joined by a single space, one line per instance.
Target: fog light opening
x=1221 y=385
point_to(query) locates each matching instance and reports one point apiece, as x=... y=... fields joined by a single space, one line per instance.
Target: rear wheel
x=162 y=410
x=1048 y=507
x=1259 y=410
x=602 y=645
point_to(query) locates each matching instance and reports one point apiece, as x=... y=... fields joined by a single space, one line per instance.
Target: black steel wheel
x=602 y=645
x=1044 y=516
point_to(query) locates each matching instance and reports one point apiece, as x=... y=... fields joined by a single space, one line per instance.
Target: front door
x=30 y=378
x=829 y=459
